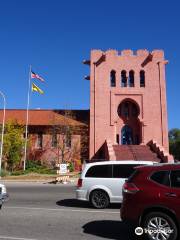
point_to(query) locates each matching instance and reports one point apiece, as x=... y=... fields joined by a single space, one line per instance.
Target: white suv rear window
x=111 y=171
x=123 y=170
x=100 y=171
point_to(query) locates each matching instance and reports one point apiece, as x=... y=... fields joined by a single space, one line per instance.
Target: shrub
x=18 y=173
x=71 y=167
x=4 y=173
x=34 y=167
x=33 y=164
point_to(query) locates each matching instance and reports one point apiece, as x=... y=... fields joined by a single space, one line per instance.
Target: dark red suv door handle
x=171 y=194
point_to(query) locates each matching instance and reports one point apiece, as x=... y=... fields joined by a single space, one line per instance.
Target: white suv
x=101 y=182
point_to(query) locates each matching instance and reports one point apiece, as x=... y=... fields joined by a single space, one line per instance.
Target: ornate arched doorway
x=130 y=131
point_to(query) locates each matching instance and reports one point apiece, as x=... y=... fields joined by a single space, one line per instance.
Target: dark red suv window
x=133 y=175
x=161 y=177
x=175 y=178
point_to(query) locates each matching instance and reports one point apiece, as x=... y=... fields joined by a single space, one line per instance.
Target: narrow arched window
x=131 y=79
x=113 y=78
x=123 y=79
x=142 y=78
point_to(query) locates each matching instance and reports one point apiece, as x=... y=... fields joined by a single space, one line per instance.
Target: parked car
x=155 y=194
x=101 y=182
x=3 y=194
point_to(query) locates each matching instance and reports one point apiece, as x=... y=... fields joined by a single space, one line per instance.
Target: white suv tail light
x=79 y=184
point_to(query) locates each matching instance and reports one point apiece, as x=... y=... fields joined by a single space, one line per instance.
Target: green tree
x=174 y=143
x=13 y=145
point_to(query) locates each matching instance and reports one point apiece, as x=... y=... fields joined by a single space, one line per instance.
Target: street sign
x=63 y=168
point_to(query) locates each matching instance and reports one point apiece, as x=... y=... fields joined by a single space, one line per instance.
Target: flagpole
x=2 y=133
x=27 y=119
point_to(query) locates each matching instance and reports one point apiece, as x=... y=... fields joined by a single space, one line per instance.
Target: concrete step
x=135 y=152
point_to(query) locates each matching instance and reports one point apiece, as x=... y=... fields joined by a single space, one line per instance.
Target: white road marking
x=66 y=210
x=15 y=238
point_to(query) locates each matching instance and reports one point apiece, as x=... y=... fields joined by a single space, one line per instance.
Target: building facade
x=127 y=117
x=54 y=136
x=127 y=99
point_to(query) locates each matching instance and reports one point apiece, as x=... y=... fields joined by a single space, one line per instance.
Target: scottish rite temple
x=128 y=110
x=127 y=119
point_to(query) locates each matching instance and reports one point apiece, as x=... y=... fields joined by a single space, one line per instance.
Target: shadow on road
x=52 y=182
x=81 y=204
x=110 y=229
x=73 y=203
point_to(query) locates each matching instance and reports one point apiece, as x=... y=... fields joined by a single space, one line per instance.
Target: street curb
x=73 y=180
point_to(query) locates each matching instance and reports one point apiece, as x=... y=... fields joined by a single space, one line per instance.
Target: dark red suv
x=151 y=199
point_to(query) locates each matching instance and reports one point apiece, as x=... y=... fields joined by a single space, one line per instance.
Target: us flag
x=35 y=75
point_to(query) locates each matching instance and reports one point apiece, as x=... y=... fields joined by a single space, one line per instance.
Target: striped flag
x=35 y=75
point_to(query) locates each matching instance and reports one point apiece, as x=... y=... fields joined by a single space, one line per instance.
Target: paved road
x=38 y=211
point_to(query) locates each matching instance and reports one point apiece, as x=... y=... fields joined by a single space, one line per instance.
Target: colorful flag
x=36 y=89
x=35 y=75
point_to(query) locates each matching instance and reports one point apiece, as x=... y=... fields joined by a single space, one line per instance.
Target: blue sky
x=54 y=36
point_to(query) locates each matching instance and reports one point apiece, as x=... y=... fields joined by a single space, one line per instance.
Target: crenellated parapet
x=142 y=52
x=155 y=54
x=126 y=52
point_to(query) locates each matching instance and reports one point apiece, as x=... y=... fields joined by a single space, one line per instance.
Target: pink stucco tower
x=128 y=100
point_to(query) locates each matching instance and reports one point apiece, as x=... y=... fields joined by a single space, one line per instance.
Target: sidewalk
x=34 y=177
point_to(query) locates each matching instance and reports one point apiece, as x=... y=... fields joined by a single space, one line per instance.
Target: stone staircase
x=135 y=152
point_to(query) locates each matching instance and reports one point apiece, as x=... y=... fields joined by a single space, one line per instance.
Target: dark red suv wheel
x=159 y=226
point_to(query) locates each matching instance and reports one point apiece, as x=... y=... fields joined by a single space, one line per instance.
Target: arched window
x=131 y=79
x=142 y=78
x=113 y=78
x=123 y=79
